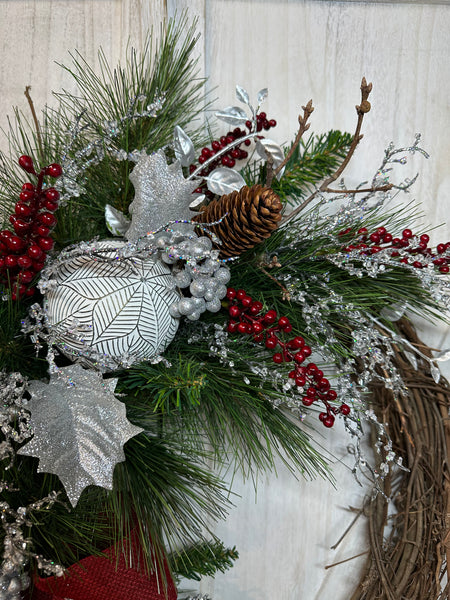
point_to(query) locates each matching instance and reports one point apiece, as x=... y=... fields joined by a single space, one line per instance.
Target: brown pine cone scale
x=249 y=216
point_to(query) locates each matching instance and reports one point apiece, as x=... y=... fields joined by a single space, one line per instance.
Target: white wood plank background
x=300 y=49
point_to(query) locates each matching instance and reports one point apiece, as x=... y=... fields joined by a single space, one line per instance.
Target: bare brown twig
x=304 y=126
x=361 y=110
x=35 y=119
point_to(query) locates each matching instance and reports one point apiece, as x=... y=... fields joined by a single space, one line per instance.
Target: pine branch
x=203 y=560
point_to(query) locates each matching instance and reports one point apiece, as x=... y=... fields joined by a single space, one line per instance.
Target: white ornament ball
x=117 y=307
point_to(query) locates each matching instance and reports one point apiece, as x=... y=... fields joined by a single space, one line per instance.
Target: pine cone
x=252 y=214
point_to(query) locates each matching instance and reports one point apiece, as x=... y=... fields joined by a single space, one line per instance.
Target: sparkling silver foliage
x=242 y=95
x=224 y=181
x=233 y=115
x=162 y=195
x=268 y=148
x=14 y=416
x=183 y=147
x=16 y=554
x=79 y=428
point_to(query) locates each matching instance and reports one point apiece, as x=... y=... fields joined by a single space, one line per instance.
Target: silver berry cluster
x=202 y=274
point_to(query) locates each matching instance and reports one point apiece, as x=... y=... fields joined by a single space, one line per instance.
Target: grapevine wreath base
x=409 y=543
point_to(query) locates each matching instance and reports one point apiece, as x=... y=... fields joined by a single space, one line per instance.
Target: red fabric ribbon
x=107 y=578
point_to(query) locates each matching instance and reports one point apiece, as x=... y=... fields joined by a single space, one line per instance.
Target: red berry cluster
x=23 y=252
x=371 y=243
x=228 y=159
x=246 y=318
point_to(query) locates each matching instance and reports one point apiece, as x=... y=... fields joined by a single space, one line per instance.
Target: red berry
x=292 y=374
x=216 y=146
x=299 y=357
x=277 y=358
x=28 y=187
x=256 y=308
x=272 y=123
x=323 y=384
x=21 y=226
x=444 y=269
x=201 y=159
x=234 y=311
x=242 y=327
x=24 y=261
x=381 y=231
x=46 y=243
x=307 y=401
x=387 y=238
x=307 y=351
x=26 y=162
x=283 y=321
x=240 y=294
x=407 y=233
x=47 y=218
x=363 y=231
x=22 y=210
x=424 y=238
x=440 y=248
x=246 y=301
x=328 y=421
x=51 y=205
x=54 y=170
x=262 y=116
x=270 y=317
x=417 y=264
x=25 y=276
x=232 y=326
x=231 y=293
x=259 y=337
x=300 y=380
x=331 y=395
x=34 y=252
x=15 y=243
x=52 y=194
x=311 y=392
x=42 y=230
x=271 y=342
x=375 y=238
x=257 y=328
x=10 y=261
x=26 y=196
x=345 y=409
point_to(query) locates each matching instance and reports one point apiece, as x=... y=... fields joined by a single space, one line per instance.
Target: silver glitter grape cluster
x=203 y=274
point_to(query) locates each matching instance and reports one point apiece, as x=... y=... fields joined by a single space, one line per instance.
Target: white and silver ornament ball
x=102 y=303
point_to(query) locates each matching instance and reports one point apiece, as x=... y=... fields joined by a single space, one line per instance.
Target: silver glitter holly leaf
x=233 y=115
x=162 y=195
x=183 y=147
x=224 y=181
x=116 y=222
x=80 y=428
x=435 y=373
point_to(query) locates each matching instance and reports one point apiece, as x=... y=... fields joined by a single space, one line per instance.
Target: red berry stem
x=380 y=239
x=246 y=318
x=227 y=150
x=23 y=253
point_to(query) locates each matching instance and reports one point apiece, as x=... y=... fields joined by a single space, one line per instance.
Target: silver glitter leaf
x=80 y=428
x=435 y=373
x=224 y=180
x=116 y=222
x=266 y=148
x=262 y=95
x=198 y=202
x=233 y=115
x=183 y=147
x=162 y=194
x=242 y=95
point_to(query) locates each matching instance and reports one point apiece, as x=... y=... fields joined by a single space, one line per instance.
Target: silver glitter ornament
x=162 y=195
x=80 y=428
x=112 y=305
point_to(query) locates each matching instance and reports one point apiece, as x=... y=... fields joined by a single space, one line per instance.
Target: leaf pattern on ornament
x=122 y=307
